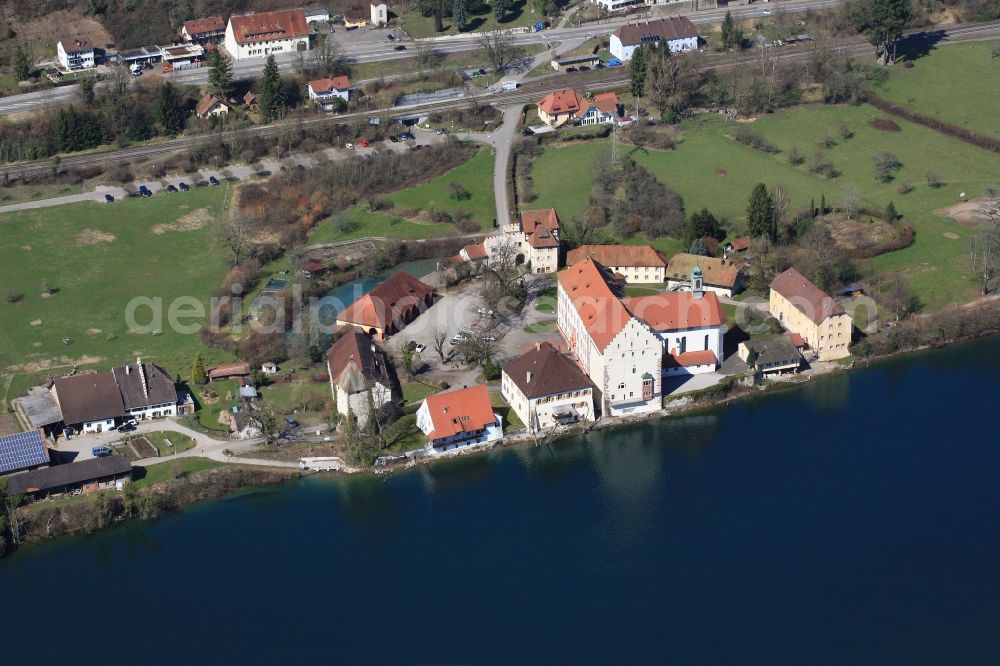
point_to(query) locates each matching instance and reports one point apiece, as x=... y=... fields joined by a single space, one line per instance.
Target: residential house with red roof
x=677 y=33
x=637 y=264
x=559 y=107
x=601 y=110
x=534 y=238
x=804 y=308
x=359 y=375
x=691 y=324
x=206 y=30
x=389 y=307
x=210 y=106
x=260 y=35
x=618 y=351
x=545 y=388
x=325 y=91
x=457 y=418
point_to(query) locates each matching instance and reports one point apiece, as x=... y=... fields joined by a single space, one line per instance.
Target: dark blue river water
x=855 y=520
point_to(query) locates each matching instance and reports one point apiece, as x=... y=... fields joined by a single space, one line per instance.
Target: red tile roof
x=323 y=86
x=531 y=219
x=269 y=26
x=689 y=359
x=205 y=25
x=605 y=103
x=604 y=316
x=387 y=302
x=675 y=27
x=355 y=363
x=716 y=272
x=797 y=340
x=461 y=411
x=740 y=244
x=618 y=255
x=805 y=296
x=677 y=310
x=476 y=251
x=560 y=102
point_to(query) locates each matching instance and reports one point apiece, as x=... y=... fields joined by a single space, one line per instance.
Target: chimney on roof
x=142 y=376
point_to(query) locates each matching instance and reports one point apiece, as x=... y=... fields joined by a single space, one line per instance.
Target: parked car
x=183 y=187
x=100 y=451
x=482 y=72
x=406 y=136
x=571 y=70
x=415 y=346
x=126 y=427
x=391 y=37
x=600 y=65
x=171 y=188
x=349 y=146
x=400 y=47
x=144 y=191
x=767 y=12
x=440 y=131
x=393 y=138
x=108 y=198
x=213 y=180
x=363 y=143
x=583 y=68
x=292 y=422
x=614 y=62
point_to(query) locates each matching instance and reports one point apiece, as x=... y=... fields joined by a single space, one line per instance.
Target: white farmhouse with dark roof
x=677 y=31
x=75 y=53
x=147 y=391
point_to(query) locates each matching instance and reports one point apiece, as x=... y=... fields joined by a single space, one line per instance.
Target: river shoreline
x=242 y=481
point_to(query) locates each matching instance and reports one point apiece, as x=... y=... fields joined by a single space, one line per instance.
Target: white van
x=136 y=69
x=509 y=85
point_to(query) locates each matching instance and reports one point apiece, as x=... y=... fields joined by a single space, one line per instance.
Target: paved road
x=381 y=50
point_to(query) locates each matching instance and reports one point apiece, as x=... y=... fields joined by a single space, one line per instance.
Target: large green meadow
x=98 y=258
x=710 y=169
x=958 y=83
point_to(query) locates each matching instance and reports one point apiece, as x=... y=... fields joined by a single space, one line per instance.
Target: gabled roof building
x=722 y=276
x=804 y=308
x=359 y=375
x=389 y=307
x=148 y=392
x=260 y=35
x=678 y=33
x=90 y=402
x=637 y=264
x=545 y=388
x=458 y=418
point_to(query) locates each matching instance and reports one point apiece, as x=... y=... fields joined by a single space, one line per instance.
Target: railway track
x=528 y=93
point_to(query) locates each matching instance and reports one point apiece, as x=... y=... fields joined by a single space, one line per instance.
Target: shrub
x=820 y=165
x=933 y=180
x=905 y=187
x=12 y=296
x=886 y=165
x=845 y=132
x=795 y=157
x=748 y=137
x=883 y=125
x=827 y=140
x=380 y=203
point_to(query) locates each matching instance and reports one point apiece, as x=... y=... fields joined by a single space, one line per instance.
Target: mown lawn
x=709 y=169
x=171 y=469
x=363 y=223
x=179 y=442
x=958 y=83
x=21 y=193
x=208 y=414
x=99 y=258
x=415 y=391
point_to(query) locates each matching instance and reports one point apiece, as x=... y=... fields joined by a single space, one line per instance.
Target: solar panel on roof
x=25 y=449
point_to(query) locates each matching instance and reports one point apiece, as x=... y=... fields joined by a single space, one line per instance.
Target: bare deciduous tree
x=234 y=233
x=498 y=47
x=985 y=256
x=439 y=341
x=327 y=59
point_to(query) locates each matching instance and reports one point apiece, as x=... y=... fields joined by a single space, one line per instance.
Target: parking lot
x=458 y=309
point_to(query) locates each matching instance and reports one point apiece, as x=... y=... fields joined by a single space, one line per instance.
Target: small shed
x=575 y=61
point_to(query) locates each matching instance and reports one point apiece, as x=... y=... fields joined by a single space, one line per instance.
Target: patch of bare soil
x=35 y=322
x=55 y=362
x=43 y=32
x=26 y=248
x=970 y=213
x=93 y=237
x=93 y=331
x=208 y=397
x=192 y=221
x=863 y=235
x=950 y=235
